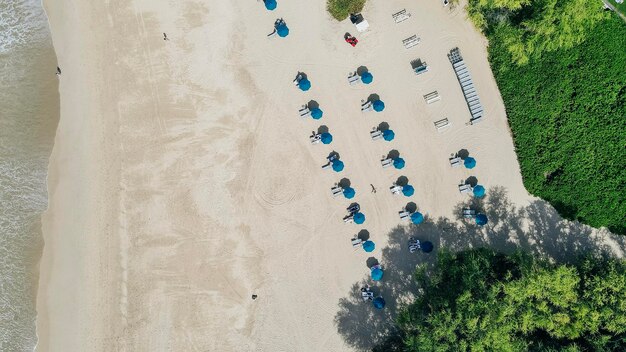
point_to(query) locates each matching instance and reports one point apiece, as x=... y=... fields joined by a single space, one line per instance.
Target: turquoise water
x=29 y=108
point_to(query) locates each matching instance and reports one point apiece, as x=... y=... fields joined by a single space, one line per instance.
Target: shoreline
x=182 y=181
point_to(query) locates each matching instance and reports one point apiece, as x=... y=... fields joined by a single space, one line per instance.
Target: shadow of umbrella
x=322 y=129
x=333 y=154
x=463 y=153
x=361 y=70
x=363 y=235
x=383 y=126
x=410 y=207
x=344 y=183
x=393 y=154
x=371 y=261
x=312 y=104
x=472 y=181
x=373 y=97
x=402 y=181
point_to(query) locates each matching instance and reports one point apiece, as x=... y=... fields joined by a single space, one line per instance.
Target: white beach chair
x=367 y=295
x=395 y=189
x=315 y=138
x=401 y=15
x=348 y=219
x=354 y=78
x=356 y=242
x=442 y=124
x=366 y=106
x=469 y=213
x=404 y=215
x=326 y=167
x=414 y=245
x=476 y=119
x=432 y=97
x=386 y=162
x=376 y=134
x=297 y=80
x=337 y=191
x=465 y=188
x=455 y=161
x=304 y=111
x=411 y=41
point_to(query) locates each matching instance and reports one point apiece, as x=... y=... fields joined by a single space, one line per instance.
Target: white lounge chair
x=326 y=167
x=348 y=219
x=356 y=242
x=367 y=295
x=419 y=66
x=366 y=106
x=432 y=97
x=337 y=191
x=395 y=189
x=315 y=138
x=354 y=78
x=386 y=162
x=465 y=188
x=411 y=41
x=455 y=161
x=297 y=80
x=414 y=245
x=376 y=134
x=469 y=213
x=404 y=215
x=401 y=15
x=442 y=124
x=304 y=111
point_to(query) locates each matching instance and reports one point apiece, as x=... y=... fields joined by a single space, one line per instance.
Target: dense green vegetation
x=567 y=111
x=341 y=9
x=565 y=100
x=478 y=300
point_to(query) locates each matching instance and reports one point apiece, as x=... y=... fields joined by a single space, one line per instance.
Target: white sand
x=182 y=180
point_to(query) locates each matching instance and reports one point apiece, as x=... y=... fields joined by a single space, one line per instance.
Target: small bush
x=341 y=9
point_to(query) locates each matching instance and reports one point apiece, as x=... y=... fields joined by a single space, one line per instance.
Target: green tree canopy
x=479 y=300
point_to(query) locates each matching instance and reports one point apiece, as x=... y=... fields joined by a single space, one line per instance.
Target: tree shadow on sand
x=536 y=228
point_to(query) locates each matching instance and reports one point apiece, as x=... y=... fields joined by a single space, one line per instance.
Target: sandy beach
x=182 y=179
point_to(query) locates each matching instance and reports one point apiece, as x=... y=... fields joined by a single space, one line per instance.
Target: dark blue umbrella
x=304 y=84
x=398 y=163
x=469 y=162
x=349 y=192
x=270 y=4
x=368 y=246
x=378 y=105
x=379 y=303
x=359 y=218
x=479 y=191
x=427 y=247
x=417 y=218
x=316 y=113
x=377 y=274
x=337 y=165
x=326 y=138
x=282 y=30
x=367 y=78
x=481 y=220
x=408 y=190
x=389 y=135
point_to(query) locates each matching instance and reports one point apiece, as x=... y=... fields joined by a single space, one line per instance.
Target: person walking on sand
x=165 y=37
x=373 y=188
x=58 y=71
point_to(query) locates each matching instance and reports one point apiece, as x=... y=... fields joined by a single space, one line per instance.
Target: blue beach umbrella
x=479 y=191
x=359 y=218
x=316 y=113
x=270 y=4
x=337 y=165
x=481 y=220
x=282 y=31
x=469 y=162
x=379 y=303
x=304 y=84
x=367 y=78
x=378 y=105
x=408 y=190
x=427 y=247
x=417 y=218
x=389 y=135
x=326 y=138
x=368 y=246
x=398 y=163
x=349 y=192
x=377 y=274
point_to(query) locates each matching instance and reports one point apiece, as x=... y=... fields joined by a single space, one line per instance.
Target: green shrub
x=341 y=9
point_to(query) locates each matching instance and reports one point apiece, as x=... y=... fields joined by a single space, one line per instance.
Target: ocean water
x=29 y=109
